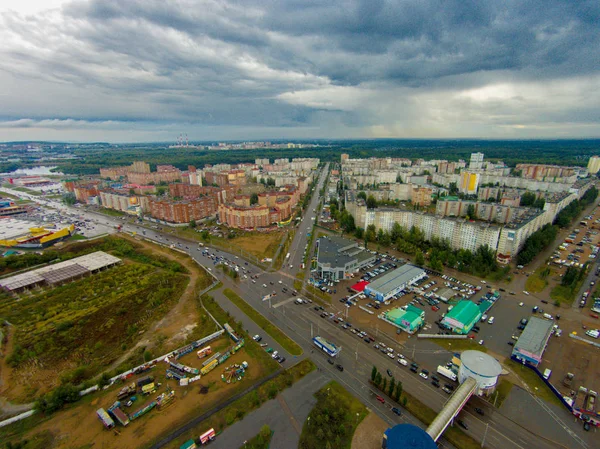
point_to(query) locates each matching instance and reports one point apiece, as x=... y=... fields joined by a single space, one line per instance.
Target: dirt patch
x=369 y=433
x=80 y=424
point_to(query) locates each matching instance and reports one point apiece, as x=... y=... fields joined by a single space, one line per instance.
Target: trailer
x=207 y=436
x=204 y=352
x=149 y=388
x=231 y=332
x=119 y=414
x=189 y=444
x=143 y=410
x=208 y=368
x=105 y=418
x=443 y=371
x=184 y=368
x=326 y=346
x=171 y=374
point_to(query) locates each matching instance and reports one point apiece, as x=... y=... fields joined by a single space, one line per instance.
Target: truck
x=443 y=371
x=326 y=346
x=568 y=380
x=145 y=381
x=149 y=388
x=126 y=391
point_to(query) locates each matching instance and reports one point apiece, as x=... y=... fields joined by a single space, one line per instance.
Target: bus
x=326 y=346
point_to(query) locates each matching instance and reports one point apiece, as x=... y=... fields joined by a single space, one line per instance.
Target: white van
x=483 y=317
x=491 y=320
x=593 y=333
x=403 y=362
x=548 y=316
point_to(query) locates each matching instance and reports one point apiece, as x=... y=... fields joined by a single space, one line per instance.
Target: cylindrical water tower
x=483 y=368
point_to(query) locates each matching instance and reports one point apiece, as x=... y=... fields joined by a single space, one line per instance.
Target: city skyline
x=149 y=71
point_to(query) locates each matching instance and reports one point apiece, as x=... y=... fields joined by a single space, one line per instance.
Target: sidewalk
x=285 y=415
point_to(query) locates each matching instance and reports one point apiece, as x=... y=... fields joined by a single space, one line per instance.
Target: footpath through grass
x=334 y=419
x=277 y=334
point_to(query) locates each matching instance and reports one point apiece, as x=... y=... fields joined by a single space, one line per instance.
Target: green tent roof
x=464 y=312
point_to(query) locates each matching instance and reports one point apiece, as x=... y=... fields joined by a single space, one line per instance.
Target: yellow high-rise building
x=594 y=165
x=469 y=182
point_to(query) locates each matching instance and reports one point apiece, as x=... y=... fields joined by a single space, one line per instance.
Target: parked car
x=462 y=424
x=380 y=399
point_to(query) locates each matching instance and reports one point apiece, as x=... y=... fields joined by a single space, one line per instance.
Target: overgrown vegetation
x=253 y=400
x=286 y=342
x=569 y=285
x=566 y=216
x=538 y=281
x=535 y=384
x=333 y=420
x=261 y=441
x=536 y=243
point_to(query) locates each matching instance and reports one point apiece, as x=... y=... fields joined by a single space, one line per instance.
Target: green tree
x=391 y=387
x=370 y=234
x=69 y=198
x=371 y=202
x=384 y=386
x=254 y=199
x=192 y=223
x=362 y=195
x=160 y=191
x=419 y=259
x=471 y=211
x=373 y=373
x=398 y=390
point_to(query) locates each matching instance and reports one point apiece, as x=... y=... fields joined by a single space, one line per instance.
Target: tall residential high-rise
x=476 y=161
x=594 y=165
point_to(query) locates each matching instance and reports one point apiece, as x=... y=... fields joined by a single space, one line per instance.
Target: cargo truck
x=105 y=418
x=442 y=370
x=145 y=381
x=126 y=391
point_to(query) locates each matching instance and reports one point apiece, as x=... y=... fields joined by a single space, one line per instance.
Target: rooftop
x=464 y=312
x=392 y=280
x=535 y=335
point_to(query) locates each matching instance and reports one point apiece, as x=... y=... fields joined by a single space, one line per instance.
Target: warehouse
x=392 y=283
x=409 y=319
x=532 y=343
x=338 y=257
x=462 y=317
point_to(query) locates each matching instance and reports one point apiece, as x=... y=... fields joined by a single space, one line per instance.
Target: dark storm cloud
x=299 y=62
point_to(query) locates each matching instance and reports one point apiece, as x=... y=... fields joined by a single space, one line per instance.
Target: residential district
x=452 y=303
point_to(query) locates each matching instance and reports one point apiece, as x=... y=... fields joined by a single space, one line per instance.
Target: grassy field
x=77 y=329
x=89 y=322
x=111 y=212
x=501 y=393
x=22 y=189
x=249 y=402
x=258 y=244
x=535 y=384
x=565 y=294
x=286 y=342
x=538 y=281
x=279 y=261
x=334 y=419
x=460 y=345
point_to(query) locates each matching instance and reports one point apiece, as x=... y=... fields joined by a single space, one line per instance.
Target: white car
x=265 y=285
x=481 y=342
x=526 y=292
x=280 y=282
x=390 y=355
x=423 y=375
x=520 y=304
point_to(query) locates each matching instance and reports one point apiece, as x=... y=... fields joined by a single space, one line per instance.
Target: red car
x=380 y=399
x=594 y=315
x=435 y=308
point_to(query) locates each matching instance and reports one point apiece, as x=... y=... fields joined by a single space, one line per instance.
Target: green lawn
x=535 y=384
x=565 y=294
x=501 y=393
x=460 y=345
x=277 y=334
x=536 y=282
x=333 y=419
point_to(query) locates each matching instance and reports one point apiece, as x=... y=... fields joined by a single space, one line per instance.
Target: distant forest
x=512 y=152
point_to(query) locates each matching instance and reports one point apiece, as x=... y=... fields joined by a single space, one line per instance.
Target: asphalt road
x=301 y=322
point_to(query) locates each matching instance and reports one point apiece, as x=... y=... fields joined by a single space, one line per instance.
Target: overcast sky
x=146 y=70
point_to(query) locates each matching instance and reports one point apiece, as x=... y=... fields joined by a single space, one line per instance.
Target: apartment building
x=542 y=172
x=183 y=211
